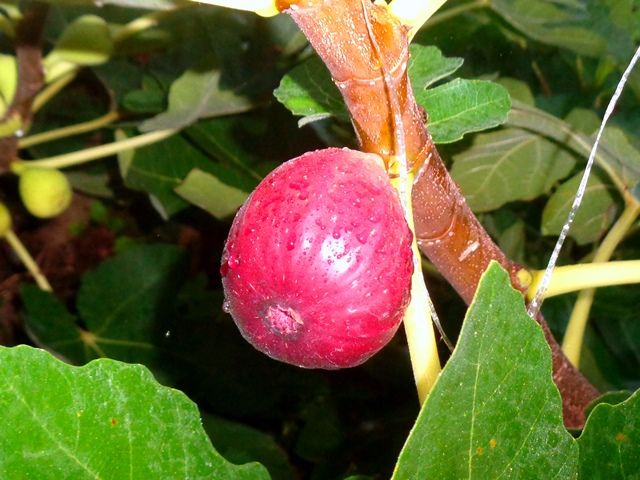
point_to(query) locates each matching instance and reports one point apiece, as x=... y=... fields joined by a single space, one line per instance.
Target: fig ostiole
x=45 y=192
x=318 y=263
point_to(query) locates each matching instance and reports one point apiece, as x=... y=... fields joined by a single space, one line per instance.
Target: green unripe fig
x=45 y=192
x=5 y=220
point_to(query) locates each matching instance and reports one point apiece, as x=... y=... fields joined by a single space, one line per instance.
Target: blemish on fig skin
x=283 y=321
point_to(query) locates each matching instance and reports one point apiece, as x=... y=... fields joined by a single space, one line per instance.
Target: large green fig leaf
x=595 y=215
x=494 y=412
x=104 y=420
x=610 y=442
x=508 y=165
x=561 y=23
x=616 y=153
x=125 y=306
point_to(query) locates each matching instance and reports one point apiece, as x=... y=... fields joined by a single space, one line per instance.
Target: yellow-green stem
x=421 y=338
x=69 y=131
x=52 y=90
x=574 y=336
x=102 y=151
x=27 y=260
x=144 y=22
x=572 y=278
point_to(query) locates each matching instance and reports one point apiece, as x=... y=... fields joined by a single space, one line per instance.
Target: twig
x=27 y=260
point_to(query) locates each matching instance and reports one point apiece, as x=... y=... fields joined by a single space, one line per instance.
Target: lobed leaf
x=242 y=444
x=595 y=215
x=209 y=193
x=125 y=306
x=616 y=154
x=459 y=107
x=104 y=420
x=427 y=65
x=160 y=168
x=463 y=106
x=610 y=444
x=508 y=165
x=564 y=24
x=308 y=91
x=86 y=41
x=494 y=412
x=197 y=94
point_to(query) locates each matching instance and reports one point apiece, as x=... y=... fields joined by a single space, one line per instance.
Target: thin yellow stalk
x=574 y=336
x=69 y=131
x=52 y=90
x=418 y=326
x=102 y=151
x=572 y=278
x=27 y=260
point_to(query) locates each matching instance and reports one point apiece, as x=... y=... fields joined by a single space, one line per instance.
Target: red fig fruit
x=317 y=266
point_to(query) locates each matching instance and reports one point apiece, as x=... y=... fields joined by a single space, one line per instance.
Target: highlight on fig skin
x=317 y=266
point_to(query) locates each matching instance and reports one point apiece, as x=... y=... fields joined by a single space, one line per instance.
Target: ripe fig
x=45 y=192
x=317 y=266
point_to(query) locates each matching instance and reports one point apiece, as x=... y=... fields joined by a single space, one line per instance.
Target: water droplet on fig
x=336 y=233
x=374 y=218
x=226 y=306
x=233 y=261
x=362 y=238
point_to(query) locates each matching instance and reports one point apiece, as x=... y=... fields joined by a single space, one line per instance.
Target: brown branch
x=447 y=231
x=30 y=76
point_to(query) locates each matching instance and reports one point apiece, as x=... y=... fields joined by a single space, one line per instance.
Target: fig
x=45 y=192
x=317 y=266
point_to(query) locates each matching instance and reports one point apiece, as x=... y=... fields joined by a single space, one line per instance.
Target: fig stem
x=574 y=335
x=68 y=131
x=423 y=351
x=102 y=151
x=52 y=90
x=419 y=331
x=572 y=278
x=145 y=22
x=27 y=260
